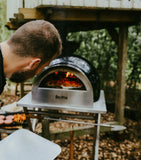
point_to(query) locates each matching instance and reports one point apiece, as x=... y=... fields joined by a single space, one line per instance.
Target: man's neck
x=12 y=62
x=5 y=51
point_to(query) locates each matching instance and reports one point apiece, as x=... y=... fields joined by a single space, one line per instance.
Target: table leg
x=96 y=138
x=28 y=119
x=45 y=128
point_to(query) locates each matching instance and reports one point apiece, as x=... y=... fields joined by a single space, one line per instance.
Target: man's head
x=39 y=42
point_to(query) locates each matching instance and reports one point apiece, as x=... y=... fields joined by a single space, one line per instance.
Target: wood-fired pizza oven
x=67 y=81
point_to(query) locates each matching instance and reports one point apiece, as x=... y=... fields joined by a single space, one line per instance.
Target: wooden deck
x=21 y=11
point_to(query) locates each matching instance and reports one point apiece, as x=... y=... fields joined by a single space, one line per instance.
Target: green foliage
x=134 y=57
x=4 y=32
x=98 y=48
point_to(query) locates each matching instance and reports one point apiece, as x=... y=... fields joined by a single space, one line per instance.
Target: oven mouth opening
x=62 y=80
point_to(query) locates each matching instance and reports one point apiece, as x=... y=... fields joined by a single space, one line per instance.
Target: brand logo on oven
x=61 y=97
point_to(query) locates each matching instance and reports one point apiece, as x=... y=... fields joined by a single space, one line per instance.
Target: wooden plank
x=11 y=26
x=57 y=14
x=93 y=15
x=31 y=13
x=121 y=77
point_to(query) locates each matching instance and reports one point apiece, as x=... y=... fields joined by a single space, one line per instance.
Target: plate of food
x=12 y=108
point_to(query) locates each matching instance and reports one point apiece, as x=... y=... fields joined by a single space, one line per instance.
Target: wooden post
x=121 y=77
x=21 y=90
x=71 y=145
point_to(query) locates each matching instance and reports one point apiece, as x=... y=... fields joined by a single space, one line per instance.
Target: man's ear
x=34 y=63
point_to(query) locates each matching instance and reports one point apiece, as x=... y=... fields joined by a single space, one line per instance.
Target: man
x=32 y=47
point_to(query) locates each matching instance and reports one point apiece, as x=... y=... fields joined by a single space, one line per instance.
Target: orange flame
x=68 y=74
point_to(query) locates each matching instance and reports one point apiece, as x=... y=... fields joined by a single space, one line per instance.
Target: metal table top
x=98 y=106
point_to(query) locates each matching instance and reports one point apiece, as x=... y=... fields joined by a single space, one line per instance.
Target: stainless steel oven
x=67 y=81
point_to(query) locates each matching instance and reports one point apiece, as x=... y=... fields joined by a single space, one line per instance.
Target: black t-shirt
x=2 y=76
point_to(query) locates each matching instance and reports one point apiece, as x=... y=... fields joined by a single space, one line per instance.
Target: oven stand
x=99 y=108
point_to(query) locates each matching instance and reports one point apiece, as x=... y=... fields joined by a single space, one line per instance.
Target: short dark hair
x=37 y=38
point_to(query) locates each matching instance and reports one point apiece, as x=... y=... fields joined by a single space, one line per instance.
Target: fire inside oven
x=63 y=80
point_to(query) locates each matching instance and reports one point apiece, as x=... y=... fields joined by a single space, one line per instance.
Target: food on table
x=19 y=117
x=9 y=117
x=8 y=121
x=1 y=121
x=2 y=117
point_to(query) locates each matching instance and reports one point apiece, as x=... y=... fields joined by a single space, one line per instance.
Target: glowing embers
x=63 y=80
